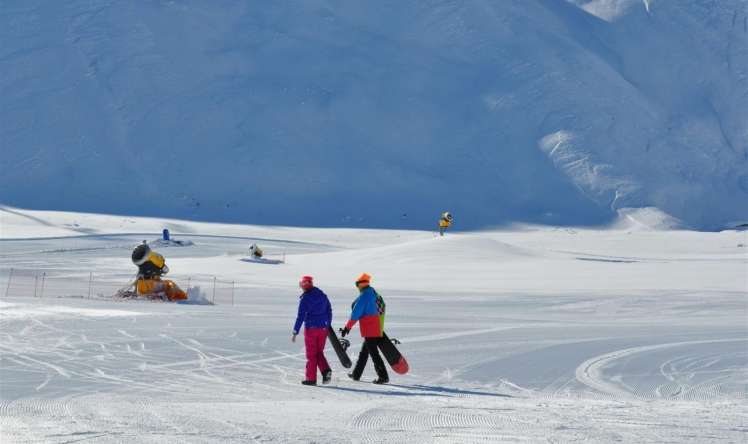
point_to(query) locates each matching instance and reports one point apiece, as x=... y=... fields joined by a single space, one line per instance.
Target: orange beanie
x=364 y=278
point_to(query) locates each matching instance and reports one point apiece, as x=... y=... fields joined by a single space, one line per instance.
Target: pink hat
x=306 y=282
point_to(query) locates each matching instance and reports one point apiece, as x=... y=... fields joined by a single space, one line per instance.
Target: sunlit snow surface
x=529 y=334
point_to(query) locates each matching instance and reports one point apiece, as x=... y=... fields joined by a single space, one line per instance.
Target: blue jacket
x=368 y=311
x=314 y=310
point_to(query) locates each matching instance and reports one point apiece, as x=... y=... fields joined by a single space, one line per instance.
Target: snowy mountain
x=327 y=112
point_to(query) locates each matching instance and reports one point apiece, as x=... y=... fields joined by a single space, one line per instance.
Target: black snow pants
x=370 y=347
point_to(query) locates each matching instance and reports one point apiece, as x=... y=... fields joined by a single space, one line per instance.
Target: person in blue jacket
x=315 y=313
x=368 y=310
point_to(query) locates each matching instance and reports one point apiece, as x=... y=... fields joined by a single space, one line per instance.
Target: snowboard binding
x=345 y=343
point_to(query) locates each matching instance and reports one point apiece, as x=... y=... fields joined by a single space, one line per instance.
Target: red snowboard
x=393 y=355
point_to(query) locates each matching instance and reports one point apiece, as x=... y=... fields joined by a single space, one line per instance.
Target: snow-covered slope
x=376 y=113
x=532 y=335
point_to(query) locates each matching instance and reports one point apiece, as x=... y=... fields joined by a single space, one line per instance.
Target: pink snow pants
x=314 y=340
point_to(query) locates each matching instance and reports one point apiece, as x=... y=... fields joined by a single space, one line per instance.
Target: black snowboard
x=393 y=356
x=337 y=345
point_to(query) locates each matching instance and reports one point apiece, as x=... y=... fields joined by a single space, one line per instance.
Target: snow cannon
x=151 y=266
x=255 y=251
x=445 y=221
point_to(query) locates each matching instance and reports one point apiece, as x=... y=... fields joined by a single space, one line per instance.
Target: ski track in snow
x=590 y=373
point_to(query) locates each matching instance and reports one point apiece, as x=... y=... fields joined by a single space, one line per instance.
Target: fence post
x=233 y=285
x=214 y=290
x=10 y=277
x=90 y=283
x=44 y=278
x=36 y=283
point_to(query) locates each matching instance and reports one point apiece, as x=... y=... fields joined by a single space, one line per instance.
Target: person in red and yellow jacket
x=368 y=310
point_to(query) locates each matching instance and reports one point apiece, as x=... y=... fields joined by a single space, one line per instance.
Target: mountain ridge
x=331 y=113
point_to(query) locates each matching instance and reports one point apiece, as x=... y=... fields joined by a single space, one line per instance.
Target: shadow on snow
x=421 y=390
x=450 y=390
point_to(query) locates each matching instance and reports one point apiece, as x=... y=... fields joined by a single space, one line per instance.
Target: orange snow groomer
x=151 y=266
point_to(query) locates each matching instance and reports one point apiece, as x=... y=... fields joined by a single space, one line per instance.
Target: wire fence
x=40 y=284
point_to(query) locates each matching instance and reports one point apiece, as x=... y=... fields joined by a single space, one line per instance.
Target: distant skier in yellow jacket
x=445 y=222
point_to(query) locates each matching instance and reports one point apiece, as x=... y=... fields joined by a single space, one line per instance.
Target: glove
x=344 y=331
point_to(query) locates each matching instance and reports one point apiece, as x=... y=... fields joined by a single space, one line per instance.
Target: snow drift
x=380 y=114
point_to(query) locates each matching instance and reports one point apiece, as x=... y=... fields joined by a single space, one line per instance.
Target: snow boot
x=352 y=376
x=381 y=380
x=307 y=382
x=327 y=376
